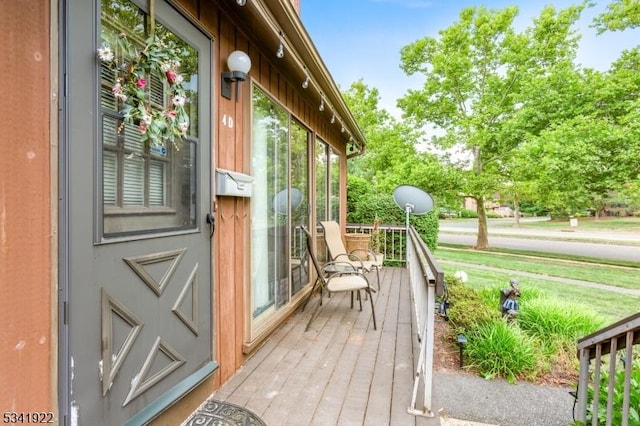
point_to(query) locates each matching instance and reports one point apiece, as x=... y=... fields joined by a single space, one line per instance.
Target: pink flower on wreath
x=171 y=114
x=142 y=128
x=171 y=77
x=141 y=83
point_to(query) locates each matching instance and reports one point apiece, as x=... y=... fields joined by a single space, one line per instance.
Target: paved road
x=599 y=250
x=607 y=245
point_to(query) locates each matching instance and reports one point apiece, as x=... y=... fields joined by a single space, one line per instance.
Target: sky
x=362 y=39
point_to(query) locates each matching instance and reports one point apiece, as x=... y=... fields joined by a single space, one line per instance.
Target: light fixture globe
x=238 y=61
x=239 y=65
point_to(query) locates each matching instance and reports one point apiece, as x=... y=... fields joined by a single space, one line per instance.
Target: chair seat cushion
x=347 y=283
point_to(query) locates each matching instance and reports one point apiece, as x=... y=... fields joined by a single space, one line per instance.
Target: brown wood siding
x=26 y=373
x=232 y=151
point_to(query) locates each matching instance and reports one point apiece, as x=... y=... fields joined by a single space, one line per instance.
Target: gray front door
x=136 y=249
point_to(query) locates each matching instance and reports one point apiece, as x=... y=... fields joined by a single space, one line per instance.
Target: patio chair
x=336 y=277
x=337 y=250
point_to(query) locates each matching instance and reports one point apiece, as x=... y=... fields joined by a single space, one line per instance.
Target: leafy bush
x=532 y=209
x=427 y=226
x=467 y=309
x=468 y=214
x=501 y=349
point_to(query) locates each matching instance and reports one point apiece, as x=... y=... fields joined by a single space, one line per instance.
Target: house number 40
x=227 y=121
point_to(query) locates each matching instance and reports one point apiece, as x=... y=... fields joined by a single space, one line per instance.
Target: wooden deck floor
x=339 y=372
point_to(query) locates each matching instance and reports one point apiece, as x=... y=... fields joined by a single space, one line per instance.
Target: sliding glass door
x=280 y=207
x=327 y=176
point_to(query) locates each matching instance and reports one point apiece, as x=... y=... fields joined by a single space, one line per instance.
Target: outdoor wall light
x=241 y=2
x=280 y=51
x=239 y=65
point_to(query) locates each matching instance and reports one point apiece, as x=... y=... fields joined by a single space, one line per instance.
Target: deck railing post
x=430 y=335
x=583 y=385
x=620 y=336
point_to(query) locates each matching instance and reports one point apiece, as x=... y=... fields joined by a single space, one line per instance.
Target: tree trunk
x=482 y=241
x=516 y=211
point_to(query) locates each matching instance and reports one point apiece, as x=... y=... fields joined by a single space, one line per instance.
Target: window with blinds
x=145 y=187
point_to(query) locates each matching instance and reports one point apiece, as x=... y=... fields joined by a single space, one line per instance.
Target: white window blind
x=110 y=185
x=156 y=183
x=133 y=185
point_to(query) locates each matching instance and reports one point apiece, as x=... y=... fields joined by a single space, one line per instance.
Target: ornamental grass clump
x=501 y=349
x=558 y=323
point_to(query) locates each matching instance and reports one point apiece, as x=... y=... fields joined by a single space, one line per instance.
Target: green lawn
x=626 y=277
x=614 y=306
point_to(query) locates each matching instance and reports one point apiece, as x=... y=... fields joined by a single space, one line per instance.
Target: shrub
x=467 y=309
x=501 y=349
x=371 y=206
x=468 y=214
x=465 y=315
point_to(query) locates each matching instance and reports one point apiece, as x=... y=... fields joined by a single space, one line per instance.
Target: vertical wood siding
x=231 y=147
x=25 y=218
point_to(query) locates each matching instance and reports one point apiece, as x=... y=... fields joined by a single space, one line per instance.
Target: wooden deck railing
x=427 y=281
x=392 y=241
x=617 y=339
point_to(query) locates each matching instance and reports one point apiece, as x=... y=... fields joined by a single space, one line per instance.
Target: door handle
x=211 y=220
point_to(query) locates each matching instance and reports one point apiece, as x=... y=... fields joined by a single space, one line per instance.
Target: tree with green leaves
x=579 y=161
x=391 y=157
x=620 y=15
x=476 y=75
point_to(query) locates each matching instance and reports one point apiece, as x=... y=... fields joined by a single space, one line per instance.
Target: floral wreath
x=158 y=59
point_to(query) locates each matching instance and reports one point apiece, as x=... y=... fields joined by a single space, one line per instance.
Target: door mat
x=220 y=413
